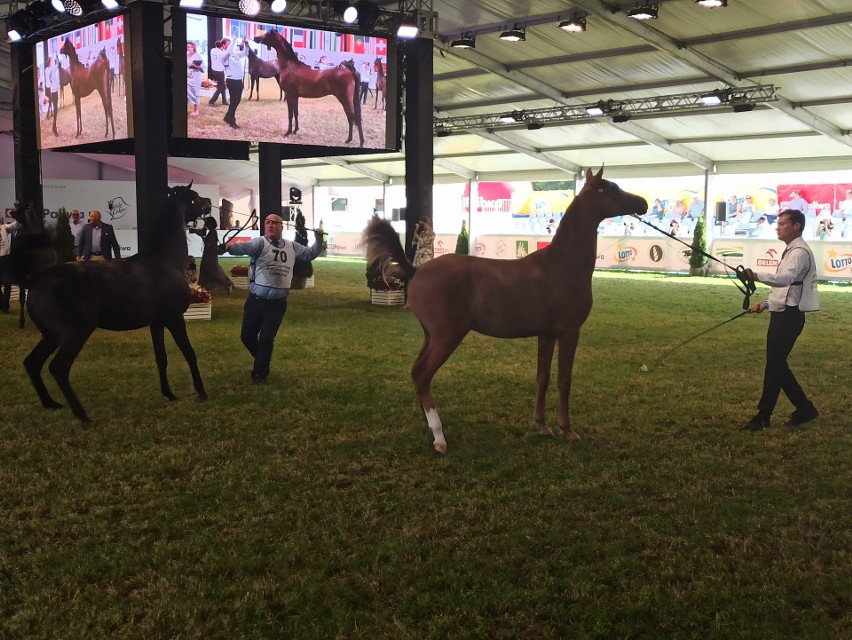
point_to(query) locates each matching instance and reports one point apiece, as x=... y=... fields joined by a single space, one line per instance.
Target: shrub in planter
x=463 y=241
x=64 y=241
x=240 y=270
x=697 y=259
x=303 y=269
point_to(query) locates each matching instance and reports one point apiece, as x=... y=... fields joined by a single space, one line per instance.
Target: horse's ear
x=588 y=174
x=599 y=173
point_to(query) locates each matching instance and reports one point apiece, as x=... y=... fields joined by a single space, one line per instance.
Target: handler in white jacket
x=794 y=292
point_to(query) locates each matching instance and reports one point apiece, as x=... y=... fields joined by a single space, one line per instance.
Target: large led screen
x=329 y=81
x=81 y=86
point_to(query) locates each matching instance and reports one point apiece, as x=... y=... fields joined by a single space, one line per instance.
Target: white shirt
x=77 y=230
x=217 y=59
x=797 y=265
x=235 y=58
x=5 y=243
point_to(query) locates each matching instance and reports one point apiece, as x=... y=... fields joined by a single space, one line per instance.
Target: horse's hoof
x=202 y=397
x=52 y=405
x=572 y=435
x=441 y=447
x=545 y=431
x=171 y=397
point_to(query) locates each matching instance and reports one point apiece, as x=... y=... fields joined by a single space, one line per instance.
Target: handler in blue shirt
x=270 y=276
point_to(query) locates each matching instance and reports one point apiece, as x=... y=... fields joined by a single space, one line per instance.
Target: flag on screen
x=298 y=39
x=381 y=47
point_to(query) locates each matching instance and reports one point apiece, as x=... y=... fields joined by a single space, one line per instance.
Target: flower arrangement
x=240 y=270
x=198 y=294
x=382 y=281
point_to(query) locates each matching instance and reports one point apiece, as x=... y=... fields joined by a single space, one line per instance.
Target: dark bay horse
x=547 y=294
x=262 y=69
x=381 y=84
x=86 y=80
x=298 y=80
x=69 y=301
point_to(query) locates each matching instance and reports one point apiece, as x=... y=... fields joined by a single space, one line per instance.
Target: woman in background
x=194 y=69
x=424 y=241
x=211 y=276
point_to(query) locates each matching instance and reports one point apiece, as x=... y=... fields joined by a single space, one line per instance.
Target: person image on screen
x=217 y=71
x=98 y=241
x=797 y=202
x=794 y=293
x=366 y=72
x=270 y=276
x=424 y=241
x=235 y=53
x=52 y=89
x=194 y=70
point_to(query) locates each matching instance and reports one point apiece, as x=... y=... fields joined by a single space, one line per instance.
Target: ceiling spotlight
x=250 y=7
x=112 y=5
x=620 y=117
x=347 y=11
x=743 y=107
x=407 y=29
x=596 y=110
x=441 y=131
x=534 y=125
x=278 y=6
x=515 y=116
x=713 y=99
x=58 y=6
x=712 y=4
x=19 y=25
x=467 y=41
x=368 y=15
x=191 y=4
x=73 y=8
x=515 y=34
x=574 y=25
x=645 y=11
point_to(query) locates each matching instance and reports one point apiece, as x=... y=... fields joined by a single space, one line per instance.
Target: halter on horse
x=69 y=301
x=546 y=294
x=298 y=80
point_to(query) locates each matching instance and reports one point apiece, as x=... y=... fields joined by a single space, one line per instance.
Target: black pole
x=28 y=187
x=419 y=156
x=269 y=179
x=149 y=120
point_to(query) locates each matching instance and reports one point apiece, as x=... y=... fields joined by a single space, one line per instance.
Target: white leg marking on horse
x=437 y=430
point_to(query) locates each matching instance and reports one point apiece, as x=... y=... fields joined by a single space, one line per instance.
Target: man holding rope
x=794 y=292
x=270 y=276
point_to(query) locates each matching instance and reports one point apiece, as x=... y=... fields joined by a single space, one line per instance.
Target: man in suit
x=98 y=241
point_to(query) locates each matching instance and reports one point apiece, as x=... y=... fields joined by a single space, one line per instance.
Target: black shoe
x=224 y=104
x=212 y=104
x=802 y=416
x=757 y=423
x=234 y=125
x=256 y=378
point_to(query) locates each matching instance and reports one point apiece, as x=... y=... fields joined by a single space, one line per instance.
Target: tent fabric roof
x=803 y=48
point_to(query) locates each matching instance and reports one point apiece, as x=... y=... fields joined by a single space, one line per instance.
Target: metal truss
x=741 y=99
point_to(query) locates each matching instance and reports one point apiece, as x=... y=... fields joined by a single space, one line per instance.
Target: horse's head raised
x=267 y=38
x=194 y=205
x=67 y=48
x=605 y=199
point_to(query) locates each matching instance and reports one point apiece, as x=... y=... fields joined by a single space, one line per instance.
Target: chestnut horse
x=381 y=84
x=298 y=80
x=547 y=294
x=69 y=301
x=258 y=69
x=85 y=80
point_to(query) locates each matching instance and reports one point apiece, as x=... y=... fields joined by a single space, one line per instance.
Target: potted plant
x=463 y=241
x=697 y=259
x=239 y=276
x=200 y=303
x=64 y=241
x=384 y=289
x=303 y=270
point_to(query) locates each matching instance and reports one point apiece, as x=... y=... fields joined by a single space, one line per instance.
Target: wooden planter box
x=14 y=292
x=387 y=298
x=199 y=311
x=240 y=282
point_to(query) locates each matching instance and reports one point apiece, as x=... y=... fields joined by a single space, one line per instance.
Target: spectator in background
x=846 y=206
x=731 y=205
x=725 y=230
x=6 y=231
x=678 y=209
x=772 y=208
x=763 y=229
x=657 y=212
x=424 y=241
x=825 y=229
x=98 y=241
x=696 y=208
x=235 y=74
x=217 y=71
x=366 y=72
x=748 y=208
x=194 y=69
x=798 y=203
x=76 y=225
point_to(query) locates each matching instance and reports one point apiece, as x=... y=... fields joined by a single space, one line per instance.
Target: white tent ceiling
x=803 y=47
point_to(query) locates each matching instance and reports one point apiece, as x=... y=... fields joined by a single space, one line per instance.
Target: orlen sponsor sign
x=625 y=254
x=769 y=259
x=837 y=263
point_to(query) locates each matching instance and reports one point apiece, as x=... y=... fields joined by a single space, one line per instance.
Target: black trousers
x=219 y=77
x=784 y=329
x=5 y=283
x=235 y=90
x=261 y=320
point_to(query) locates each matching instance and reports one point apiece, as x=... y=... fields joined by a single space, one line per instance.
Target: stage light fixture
x=407 y=28
x=515 y=34
x=713 y=99
x=467 y=41
x=743 y=107
x=249 y=7
x=58 y=6
x=514 y=116
x=534 y=125
x=442 y=132
x=712 y=4
x=368 y=15
x=574 y=25
x=191 y=4
x=295 y=195
x=620 y=117
x=348 y=12
x=596 y=110
x=278 y=6
x=19 y=26
x=73 y=8
x=110 y=5
x=645 y=11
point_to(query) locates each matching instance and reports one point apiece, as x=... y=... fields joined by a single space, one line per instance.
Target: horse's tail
x=383 y=245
